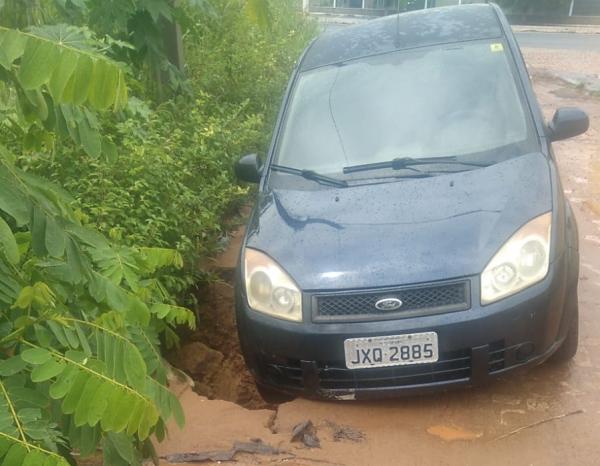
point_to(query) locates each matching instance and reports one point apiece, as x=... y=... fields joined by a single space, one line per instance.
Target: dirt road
x=548 y=415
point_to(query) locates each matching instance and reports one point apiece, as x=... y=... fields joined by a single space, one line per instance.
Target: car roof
x=403 y=31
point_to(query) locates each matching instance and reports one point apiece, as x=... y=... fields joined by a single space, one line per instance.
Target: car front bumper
x=474 y=345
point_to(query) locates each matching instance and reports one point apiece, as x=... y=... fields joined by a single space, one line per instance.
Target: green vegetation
x=536 y=7
x=170 y=182
x=115 y=178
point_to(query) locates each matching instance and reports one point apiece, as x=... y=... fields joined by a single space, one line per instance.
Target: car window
x=440 y=101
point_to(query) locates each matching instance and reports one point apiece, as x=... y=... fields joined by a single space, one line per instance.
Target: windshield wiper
x=310 y=175
x=408 y=162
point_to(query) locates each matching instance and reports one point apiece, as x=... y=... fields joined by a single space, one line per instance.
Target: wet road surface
x=548 y=415
x=559 y=40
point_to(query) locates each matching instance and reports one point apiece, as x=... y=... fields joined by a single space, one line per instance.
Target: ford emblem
x=388 y=304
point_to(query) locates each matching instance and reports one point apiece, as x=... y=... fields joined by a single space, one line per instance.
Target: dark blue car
x=410 y=230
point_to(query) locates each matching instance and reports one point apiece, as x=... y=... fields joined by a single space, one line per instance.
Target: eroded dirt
x=211 y=355
x=549 y=415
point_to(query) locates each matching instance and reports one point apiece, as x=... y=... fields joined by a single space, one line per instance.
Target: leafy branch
x=14 y=416
x=73 y=303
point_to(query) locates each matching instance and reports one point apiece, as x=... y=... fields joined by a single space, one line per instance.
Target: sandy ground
x=572 y=29
x=563 y=61
x=557 y=407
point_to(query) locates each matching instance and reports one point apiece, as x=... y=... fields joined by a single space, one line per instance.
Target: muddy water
x=549 y=415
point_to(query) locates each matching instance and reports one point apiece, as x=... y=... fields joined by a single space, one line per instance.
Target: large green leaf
x=134 y=366
x=148 y=343
x=122 y=358
x=90 y=137
x=103 y=95
x=67 y=35
x=77 y=89
x=87 y=400
x=167 y=403
x=55 y=238
x=10 y=287
x=47 y=371
x=37 y=295
x=63 y=383
x=8 y=243
x=85 y=439
x=117 y=264
x=64 y=71
x=158 y=9
x=65 y=61
x=36 y=356
x=132 y=308
x=123 y=445
x=99 y=404
x=103 y=390
x=11 y=366
x=15 y=455
x=38 y=63
x=12 y=199
x=175 y=315
x=38 y=231
x=157 y=258
x=17 y=429
x=12 y=44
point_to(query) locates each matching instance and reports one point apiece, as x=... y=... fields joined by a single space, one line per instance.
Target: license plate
x=392 y=350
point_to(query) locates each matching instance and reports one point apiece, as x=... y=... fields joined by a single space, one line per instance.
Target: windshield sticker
x=497 y=47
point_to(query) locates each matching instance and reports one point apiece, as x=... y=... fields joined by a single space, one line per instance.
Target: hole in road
x=211 y=354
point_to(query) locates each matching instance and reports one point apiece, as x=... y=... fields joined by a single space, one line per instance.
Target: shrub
x=171 y=183
x=84 y=316
x=232 y=59
x=536 y=7
x=80 y=363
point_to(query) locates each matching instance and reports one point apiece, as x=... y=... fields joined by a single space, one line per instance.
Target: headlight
x=269 y=289
x=520 y=263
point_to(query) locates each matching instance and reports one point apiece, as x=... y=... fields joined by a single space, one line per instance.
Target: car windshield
x=457 y=100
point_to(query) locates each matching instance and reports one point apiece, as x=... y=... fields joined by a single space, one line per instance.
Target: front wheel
x=272 y=396
x=568 y=349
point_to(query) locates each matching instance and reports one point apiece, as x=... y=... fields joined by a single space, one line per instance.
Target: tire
x=273 y=396
x=568 y=349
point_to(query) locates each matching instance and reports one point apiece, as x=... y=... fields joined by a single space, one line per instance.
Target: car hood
x=404 y=232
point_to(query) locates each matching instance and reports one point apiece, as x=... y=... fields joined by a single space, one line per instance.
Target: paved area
x=549 y=415
x=560 y=40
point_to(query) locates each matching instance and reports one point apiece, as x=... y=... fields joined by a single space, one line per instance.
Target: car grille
x=503 y=357
x=454 y=366
x=451 y=367
x=416 y=300
x=497 y=358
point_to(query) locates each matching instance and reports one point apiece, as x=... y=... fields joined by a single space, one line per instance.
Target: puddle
x=508 y=413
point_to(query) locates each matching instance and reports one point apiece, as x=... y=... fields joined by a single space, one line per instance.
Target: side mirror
x=567 y=123
x=249 y=168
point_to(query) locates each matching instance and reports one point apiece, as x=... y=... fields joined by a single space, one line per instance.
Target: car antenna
x=398 y=24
